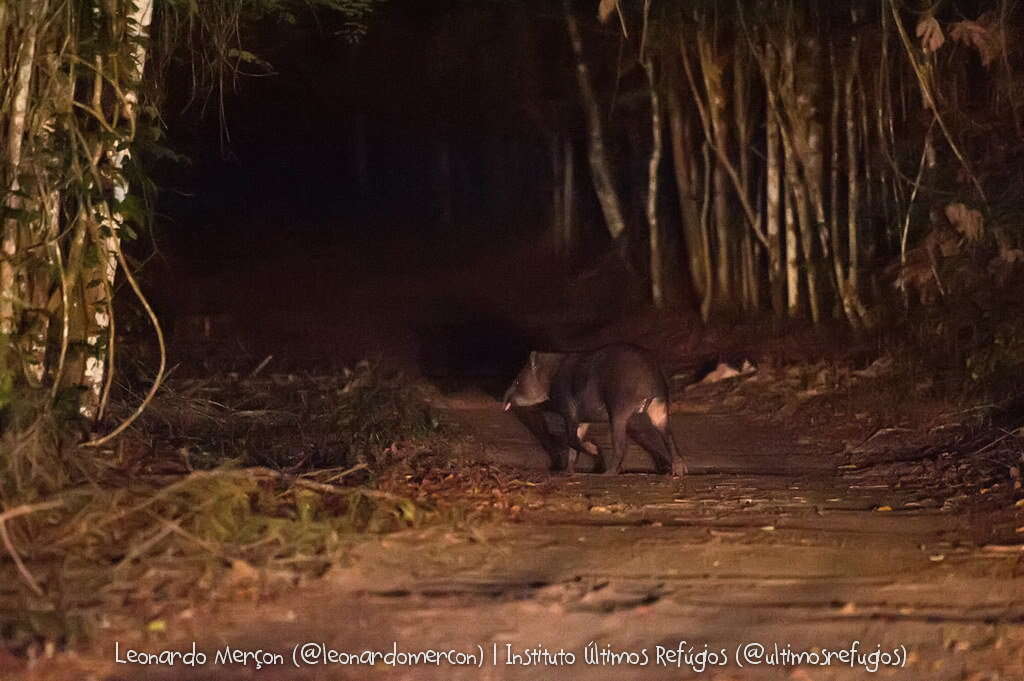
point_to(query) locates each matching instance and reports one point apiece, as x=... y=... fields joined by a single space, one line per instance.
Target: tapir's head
x=533 y=384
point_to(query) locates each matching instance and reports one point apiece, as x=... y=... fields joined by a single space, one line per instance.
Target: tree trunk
x=40 y=276
x=19 y=98
x=780 y=293
x=776 y=278
x=851 y=292
x=657 y=267
x=705 y=231
x=750 y=273
x=99 y=315
x=834 y=157
x=711 y=68
x=802 y=208
x=800 y=95
x=853 y=186
x=814 y=168
x=689 y=205
x=716 y=133
x=724 y=250
x=792 y=258
x=600 y=171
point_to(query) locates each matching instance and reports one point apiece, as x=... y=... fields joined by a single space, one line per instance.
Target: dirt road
x=766 y=552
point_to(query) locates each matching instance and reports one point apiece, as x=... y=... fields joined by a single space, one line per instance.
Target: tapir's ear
x=533 y=359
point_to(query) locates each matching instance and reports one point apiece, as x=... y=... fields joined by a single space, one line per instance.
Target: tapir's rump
x=619 y=384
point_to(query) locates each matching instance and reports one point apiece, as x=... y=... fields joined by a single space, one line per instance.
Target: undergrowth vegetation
x=225 y=482
x=962 y=318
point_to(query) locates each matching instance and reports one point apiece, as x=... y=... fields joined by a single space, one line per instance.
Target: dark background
x=274 y=233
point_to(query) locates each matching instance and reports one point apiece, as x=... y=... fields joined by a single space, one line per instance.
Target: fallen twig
x=16 y=512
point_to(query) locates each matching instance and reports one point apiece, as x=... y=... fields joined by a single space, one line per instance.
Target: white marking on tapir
x=581 y=432
x=657 y=411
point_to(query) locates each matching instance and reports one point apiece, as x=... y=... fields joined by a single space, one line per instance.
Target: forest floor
x=803 y=527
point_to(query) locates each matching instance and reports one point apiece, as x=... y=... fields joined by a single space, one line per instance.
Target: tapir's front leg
x=534 y=420
x=589 y=447
x=574 y=433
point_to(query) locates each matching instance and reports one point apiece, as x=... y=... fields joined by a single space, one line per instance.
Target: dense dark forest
x=839 y=162
x=268 y=265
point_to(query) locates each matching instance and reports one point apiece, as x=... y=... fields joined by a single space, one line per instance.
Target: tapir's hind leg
x=620 y=441
x=650 y=438
x=657 y=413
x=678 y=463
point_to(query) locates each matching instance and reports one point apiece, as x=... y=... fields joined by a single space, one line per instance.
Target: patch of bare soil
x=831 y=527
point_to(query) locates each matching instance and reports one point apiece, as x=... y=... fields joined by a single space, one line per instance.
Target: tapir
x=619 y=384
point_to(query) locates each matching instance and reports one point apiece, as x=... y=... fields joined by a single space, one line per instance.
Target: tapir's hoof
x=679 y=469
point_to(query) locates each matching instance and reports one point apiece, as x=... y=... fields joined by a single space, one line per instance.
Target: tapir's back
x=630 y=375
x=613 y=378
